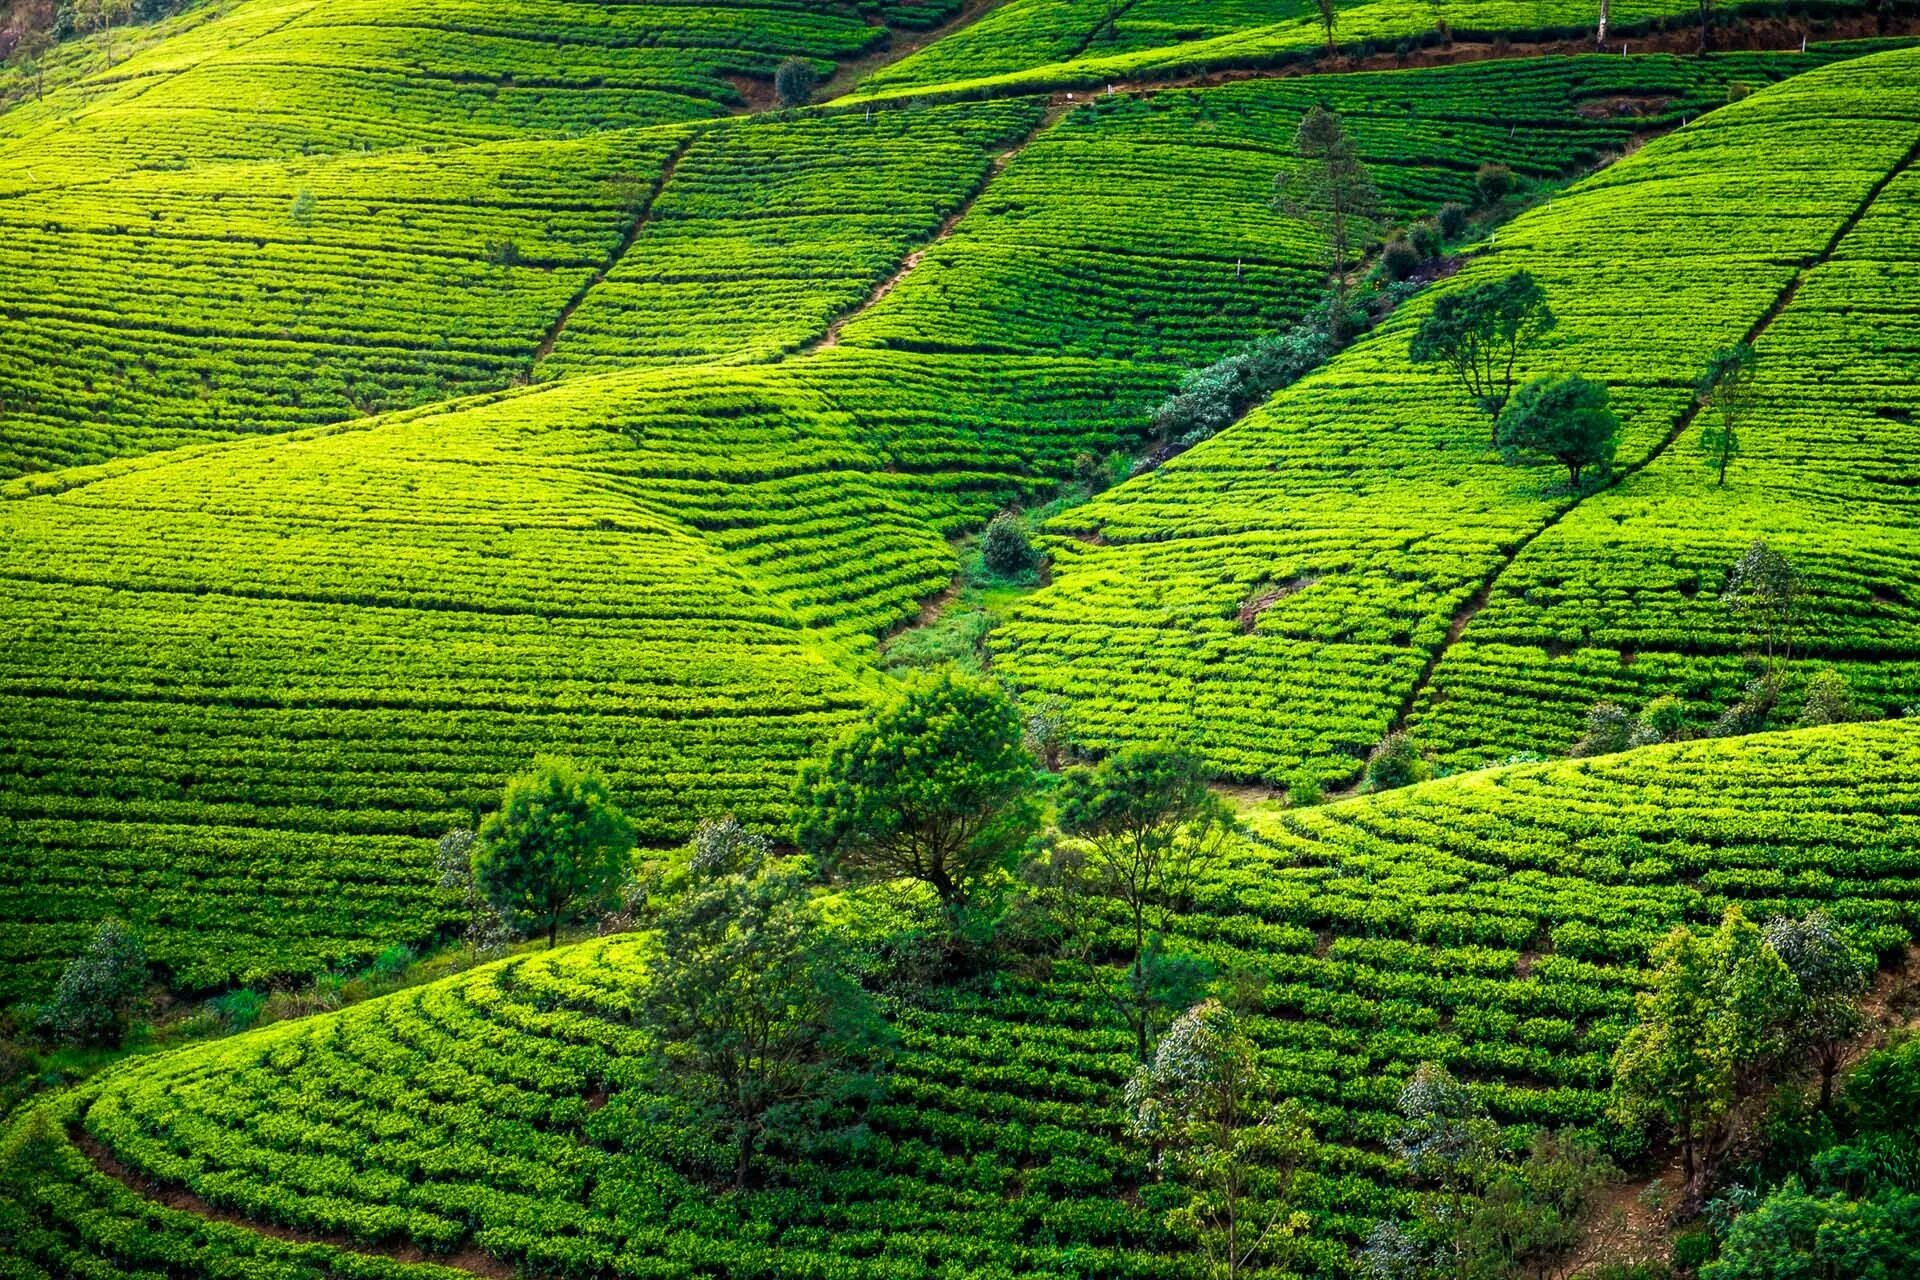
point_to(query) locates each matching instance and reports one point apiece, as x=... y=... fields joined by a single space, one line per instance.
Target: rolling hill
x=1496 y=923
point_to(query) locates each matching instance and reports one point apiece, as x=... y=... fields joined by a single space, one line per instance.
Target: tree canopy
x=935 y=788
x=1480 y=333
x=1563 y=418
x=558 y=844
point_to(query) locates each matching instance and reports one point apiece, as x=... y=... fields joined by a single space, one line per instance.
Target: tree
x=1330 y=189
x=1448 y=1141
x=1329 y=16
x=1480 y=334
x=30 y=56
x=936 y=788
x=1829 y=699
x=1712 y=1024
x=93 y=1002
x=1763 y=591
x=795 y=81
x=1725 y=391
x=1833 y=979
x=558 y=844
x=1005 y=549
x=1206 y=1107
x=754 y=1017
x=1049 y=732
x=1153 y=826
x=1706 y=24
x=453 y=859
x=1563 y=418
x=101 y=15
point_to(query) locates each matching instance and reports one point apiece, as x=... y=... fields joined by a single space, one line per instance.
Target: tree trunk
x=1827 y=1070
x=1606 y=9
x=742 y=1149
x=553 y=932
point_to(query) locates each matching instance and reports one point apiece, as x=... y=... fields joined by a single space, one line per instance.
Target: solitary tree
x=1763 y=591
x=29 y=54
x=1480 y=333
x=1449 y=1143
x=1152 y=825
x=93 y=1002
x=1833 y=979
x=935 y=788
x=1563 y=418
x=795 y=81
x=1331 y=190
x=1329 y=17
x=1726 y=393
x=753 y=1014
x=1714 y=1020
x=558 y=844
x=1207 y=1109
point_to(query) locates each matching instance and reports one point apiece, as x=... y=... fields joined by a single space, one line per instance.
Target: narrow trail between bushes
x=1476 y=602
x=997 y=166
x=471 y=1260
x=642 y=215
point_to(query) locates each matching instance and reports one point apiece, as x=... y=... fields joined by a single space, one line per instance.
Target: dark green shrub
x=1005 y=548
x=96 y=996
x=1494 y=182
x=1400 y=259
x=240 y=1009
x=1452 y=219
x=1396 y=762
x=795 y=82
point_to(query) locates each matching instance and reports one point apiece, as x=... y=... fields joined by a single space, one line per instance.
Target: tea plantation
x=1495 y=923
x=394 y=395
x=1364 y=501
x=670 y=568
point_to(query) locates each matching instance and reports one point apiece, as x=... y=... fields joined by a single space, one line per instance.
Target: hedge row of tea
x=1031 y=45
x=167 y=308
x=1620 y=600
x=1144 y=228
x=1357 y=513
x=349 y=638
x=275 y=78
x=346 y=639
x=1495 y=922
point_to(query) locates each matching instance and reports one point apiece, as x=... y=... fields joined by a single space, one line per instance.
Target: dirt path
x=831 y=338
x=471 y=1260
x=903 y=46
x=643 y=212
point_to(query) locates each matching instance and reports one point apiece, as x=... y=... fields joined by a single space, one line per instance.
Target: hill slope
x=350 y=636
x=1494 y=922
x=1360 y=513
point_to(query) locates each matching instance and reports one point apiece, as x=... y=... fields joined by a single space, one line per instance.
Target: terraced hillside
x=1495 y=922
x=175 y=307
x=1029 y=45
x=275 y=78
x=1358 y=516
x=325 y=649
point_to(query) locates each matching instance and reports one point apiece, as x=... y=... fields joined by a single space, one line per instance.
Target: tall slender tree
x=1725 y=391
x=1330 y=189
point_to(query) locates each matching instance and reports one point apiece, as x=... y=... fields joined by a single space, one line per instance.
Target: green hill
x=332 y=646
x=1360 y=514
x=1494 y=922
